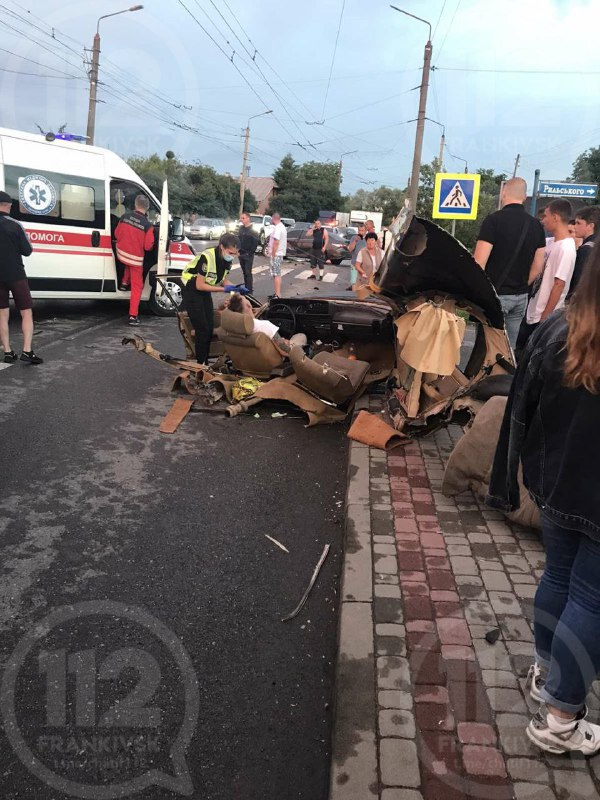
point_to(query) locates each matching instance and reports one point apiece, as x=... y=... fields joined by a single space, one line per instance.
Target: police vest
x=211 y=277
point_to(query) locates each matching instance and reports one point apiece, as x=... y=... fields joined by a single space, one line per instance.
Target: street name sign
x=582 y=191
x=456 y=196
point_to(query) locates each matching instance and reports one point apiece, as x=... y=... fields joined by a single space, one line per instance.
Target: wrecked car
x=428 y=329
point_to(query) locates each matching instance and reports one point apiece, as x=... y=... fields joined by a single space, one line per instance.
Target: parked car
x=346 y=232
x=288 y=222
x=207 y=228
x=300 y=245
x=263 y=226
x=301 y=225
x=233 y=225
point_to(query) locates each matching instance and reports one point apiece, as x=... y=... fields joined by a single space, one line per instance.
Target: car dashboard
x=332 y=319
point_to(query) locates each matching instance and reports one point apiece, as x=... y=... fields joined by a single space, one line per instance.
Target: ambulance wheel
x=161 y=305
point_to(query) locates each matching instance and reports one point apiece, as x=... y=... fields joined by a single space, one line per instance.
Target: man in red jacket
x=134 y=235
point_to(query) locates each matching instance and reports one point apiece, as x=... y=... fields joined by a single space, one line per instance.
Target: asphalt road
x=97 y=507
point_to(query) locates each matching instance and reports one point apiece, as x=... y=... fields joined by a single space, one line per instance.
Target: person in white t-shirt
x=242 y=305
x=277 y=250
x=552 y=285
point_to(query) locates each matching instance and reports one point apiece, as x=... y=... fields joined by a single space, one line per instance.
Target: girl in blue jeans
x=552 y=428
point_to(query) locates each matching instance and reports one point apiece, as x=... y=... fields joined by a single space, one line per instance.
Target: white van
x=69 y=196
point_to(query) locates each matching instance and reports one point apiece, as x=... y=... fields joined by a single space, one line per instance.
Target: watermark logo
x=100 y=700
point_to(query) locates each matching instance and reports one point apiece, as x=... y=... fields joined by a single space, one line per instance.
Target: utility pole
x=416 y=168
x=536 y=188
x=243 y=172
x=441 y=158
x=245 y=159
x=91 y=123
x=517 y=159
x=349 y=153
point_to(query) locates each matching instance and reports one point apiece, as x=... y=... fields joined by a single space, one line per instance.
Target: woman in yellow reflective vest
x=204 y=275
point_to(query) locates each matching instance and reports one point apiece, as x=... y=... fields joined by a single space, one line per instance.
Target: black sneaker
x=9 y=356
x=31 y=358
x=320 y=277
x=134 y=321
x=312 y=278
x=123 y=287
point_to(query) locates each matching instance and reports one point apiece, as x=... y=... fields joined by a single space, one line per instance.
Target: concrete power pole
x=416 y=168
x=441 y=158
x=243 y=172
x=91 y=123
x=517 y=159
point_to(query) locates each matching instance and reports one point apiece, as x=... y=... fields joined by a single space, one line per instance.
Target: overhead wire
x=449 y=28
x=335 y=46
x=438 y=20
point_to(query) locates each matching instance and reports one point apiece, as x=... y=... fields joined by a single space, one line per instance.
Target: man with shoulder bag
x=510 y=248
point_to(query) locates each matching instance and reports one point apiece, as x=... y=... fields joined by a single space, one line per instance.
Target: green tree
x=286 y=173
x=196 y=188
x=586 y=166
x=306 y=189
x=384 y=199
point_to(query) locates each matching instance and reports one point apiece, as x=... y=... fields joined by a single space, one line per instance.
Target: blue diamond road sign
x=582 y=191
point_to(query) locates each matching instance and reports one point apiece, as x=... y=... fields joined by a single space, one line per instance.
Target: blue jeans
x=567 y=615
x=514 y=307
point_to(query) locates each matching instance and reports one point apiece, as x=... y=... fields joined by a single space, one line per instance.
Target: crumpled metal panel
x=425 y=258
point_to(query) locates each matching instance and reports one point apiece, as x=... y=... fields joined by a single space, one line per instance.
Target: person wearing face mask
x=202 y=277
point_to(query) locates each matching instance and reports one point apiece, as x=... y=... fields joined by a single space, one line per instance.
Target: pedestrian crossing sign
x=456 y=196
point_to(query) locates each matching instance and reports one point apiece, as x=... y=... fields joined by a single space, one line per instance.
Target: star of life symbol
x=37 y=194
x=456 y=198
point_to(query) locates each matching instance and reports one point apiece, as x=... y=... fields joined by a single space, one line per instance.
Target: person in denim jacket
x=552 y=428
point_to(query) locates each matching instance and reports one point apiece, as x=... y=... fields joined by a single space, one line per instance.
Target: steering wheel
x=287 y=313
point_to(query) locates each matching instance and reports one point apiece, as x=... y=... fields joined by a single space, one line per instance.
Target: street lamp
x=442 y=142
x=349 y=153
x=91 y=124
x=243 y=172
x=413 y=192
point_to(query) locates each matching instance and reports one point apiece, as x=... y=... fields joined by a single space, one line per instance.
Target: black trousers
x=246 y=265
x=200 y=309
x=525 y=332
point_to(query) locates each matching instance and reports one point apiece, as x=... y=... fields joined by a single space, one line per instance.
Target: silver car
x=207 y=228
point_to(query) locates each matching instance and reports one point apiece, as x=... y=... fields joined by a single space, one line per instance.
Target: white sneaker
x=572 y=736
x=536 y=682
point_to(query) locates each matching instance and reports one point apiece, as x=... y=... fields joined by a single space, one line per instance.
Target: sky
x=341 y=78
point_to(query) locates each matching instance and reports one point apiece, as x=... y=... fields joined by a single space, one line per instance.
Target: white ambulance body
x=69 y=198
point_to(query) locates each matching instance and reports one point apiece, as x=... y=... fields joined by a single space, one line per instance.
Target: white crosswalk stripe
x=330 y=277
x=302 y=276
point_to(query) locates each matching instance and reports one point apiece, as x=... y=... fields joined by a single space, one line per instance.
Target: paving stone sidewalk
x=426 y=708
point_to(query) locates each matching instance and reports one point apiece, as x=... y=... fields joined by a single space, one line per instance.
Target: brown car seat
x=251 y=353
x=329 y=376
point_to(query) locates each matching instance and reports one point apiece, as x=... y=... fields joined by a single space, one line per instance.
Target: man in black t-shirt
x=510 y=247
x=587 y=226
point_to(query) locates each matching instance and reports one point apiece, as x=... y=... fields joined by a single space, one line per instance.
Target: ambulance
x=69 y=196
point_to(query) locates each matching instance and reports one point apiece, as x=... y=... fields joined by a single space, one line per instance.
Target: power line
x=37 y=63
x=439 y=20
x=449 y=28
x=40 y=75
x=519 y=71
x=337 y=37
